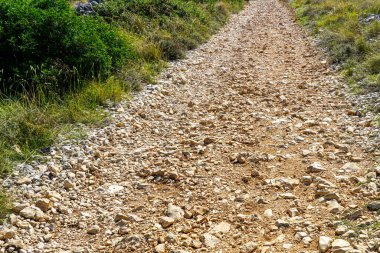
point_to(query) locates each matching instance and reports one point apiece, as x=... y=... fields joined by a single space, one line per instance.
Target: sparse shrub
x=347 y=36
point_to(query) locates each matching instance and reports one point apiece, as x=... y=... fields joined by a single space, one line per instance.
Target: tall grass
x=348 y=38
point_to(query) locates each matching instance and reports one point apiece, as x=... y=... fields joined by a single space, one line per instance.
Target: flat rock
x=209 y=240
x=222 y=227
x=324 y=243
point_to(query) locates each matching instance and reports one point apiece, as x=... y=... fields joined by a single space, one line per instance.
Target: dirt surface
x=247 y=145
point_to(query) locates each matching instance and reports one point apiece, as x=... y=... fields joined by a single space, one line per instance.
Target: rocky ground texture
x=247 y=145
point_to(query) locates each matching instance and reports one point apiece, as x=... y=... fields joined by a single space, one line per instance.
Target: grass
x=348 y=39
x=66 y=69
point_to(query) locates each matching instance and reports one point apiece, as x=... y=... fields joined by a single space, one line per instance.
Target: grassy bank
x=57 y=67
x=350 y=35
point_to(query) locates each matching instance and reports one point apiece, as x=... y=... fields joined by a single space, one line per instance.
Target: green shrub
x=44 y=43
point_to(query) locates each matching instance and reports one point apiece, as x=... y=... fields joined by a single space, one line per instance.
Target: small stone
x=340 y=230
x=43 y=204
x=333 y=206
x=196 y=244
x=268 y=213
x=166 y=221
x=288 y=195
x=175 y=212
x=324 y=243
x=47 y=237
x=34 y=214
x=209 y=240
x=307 y=240
x=350 y=167
x=249 y=247
x=300 y=235
x=93 y=230
x=24 y=180
x=7 y=234
x=282 y=223
x=112 y=189
x=67 y=184
x=222 y=227
x=307 y=180
x=340 y=246
x=315 y=168
x=374 y=206
x=160 y=248
x=293 y=212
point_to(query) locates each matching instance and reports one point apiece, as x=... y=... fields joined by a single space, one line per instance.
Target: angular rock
x=175 y=212
x=340 y=246
x=248 y=247
x=315 y=167
x=43 y=204
x=222 y=228
x=209 y=240
x=324 y=243
x=166 y=221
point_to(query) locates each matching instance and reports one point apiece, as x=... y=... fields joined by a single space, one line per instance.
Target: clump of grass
x=5 y=205
x=348 y=39
x=29 y=125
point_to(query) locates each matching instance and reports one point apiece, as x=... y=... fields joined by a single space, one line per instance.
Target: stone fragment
x=166 y=221
x=67 y=184
x=95 y=229
x=333 y=206
x=24 y=180
x=33 y=213
x=6 y=234
x=160 y=248
x=315 y=168
x=175 y=212
x=340 y=230
x=268 y=213
x=209 y=240
x=43 y=204
x=248 y=247
x=340 y=246
x=288 y=195
x=374 y=206
x=222 y=228
x=350 y=167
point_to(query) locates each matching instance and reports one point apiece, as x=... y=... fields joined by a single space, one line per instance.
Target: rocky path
x=248 y=145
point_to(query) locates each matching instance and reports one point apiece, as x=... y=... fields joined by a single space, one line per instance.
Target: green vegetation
x=56 y=67
x=349 y=38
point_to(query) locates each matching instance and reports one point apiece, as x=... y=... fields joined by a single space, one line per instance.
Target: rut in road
x=245 y=144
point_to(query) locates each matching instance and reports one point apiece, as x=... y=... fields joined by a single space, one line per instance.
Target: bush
x=44 y=43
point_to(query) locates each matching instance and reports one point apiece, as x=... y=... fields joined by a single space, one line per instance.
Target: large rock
x=324 y=243
x=209 y=240
x=33 y=213
x=175 y=212
x=222 y=228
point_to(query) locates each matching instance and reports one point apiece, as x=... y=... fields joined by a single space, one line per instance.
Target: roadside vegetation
x=57 y=67
x=349 y=31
